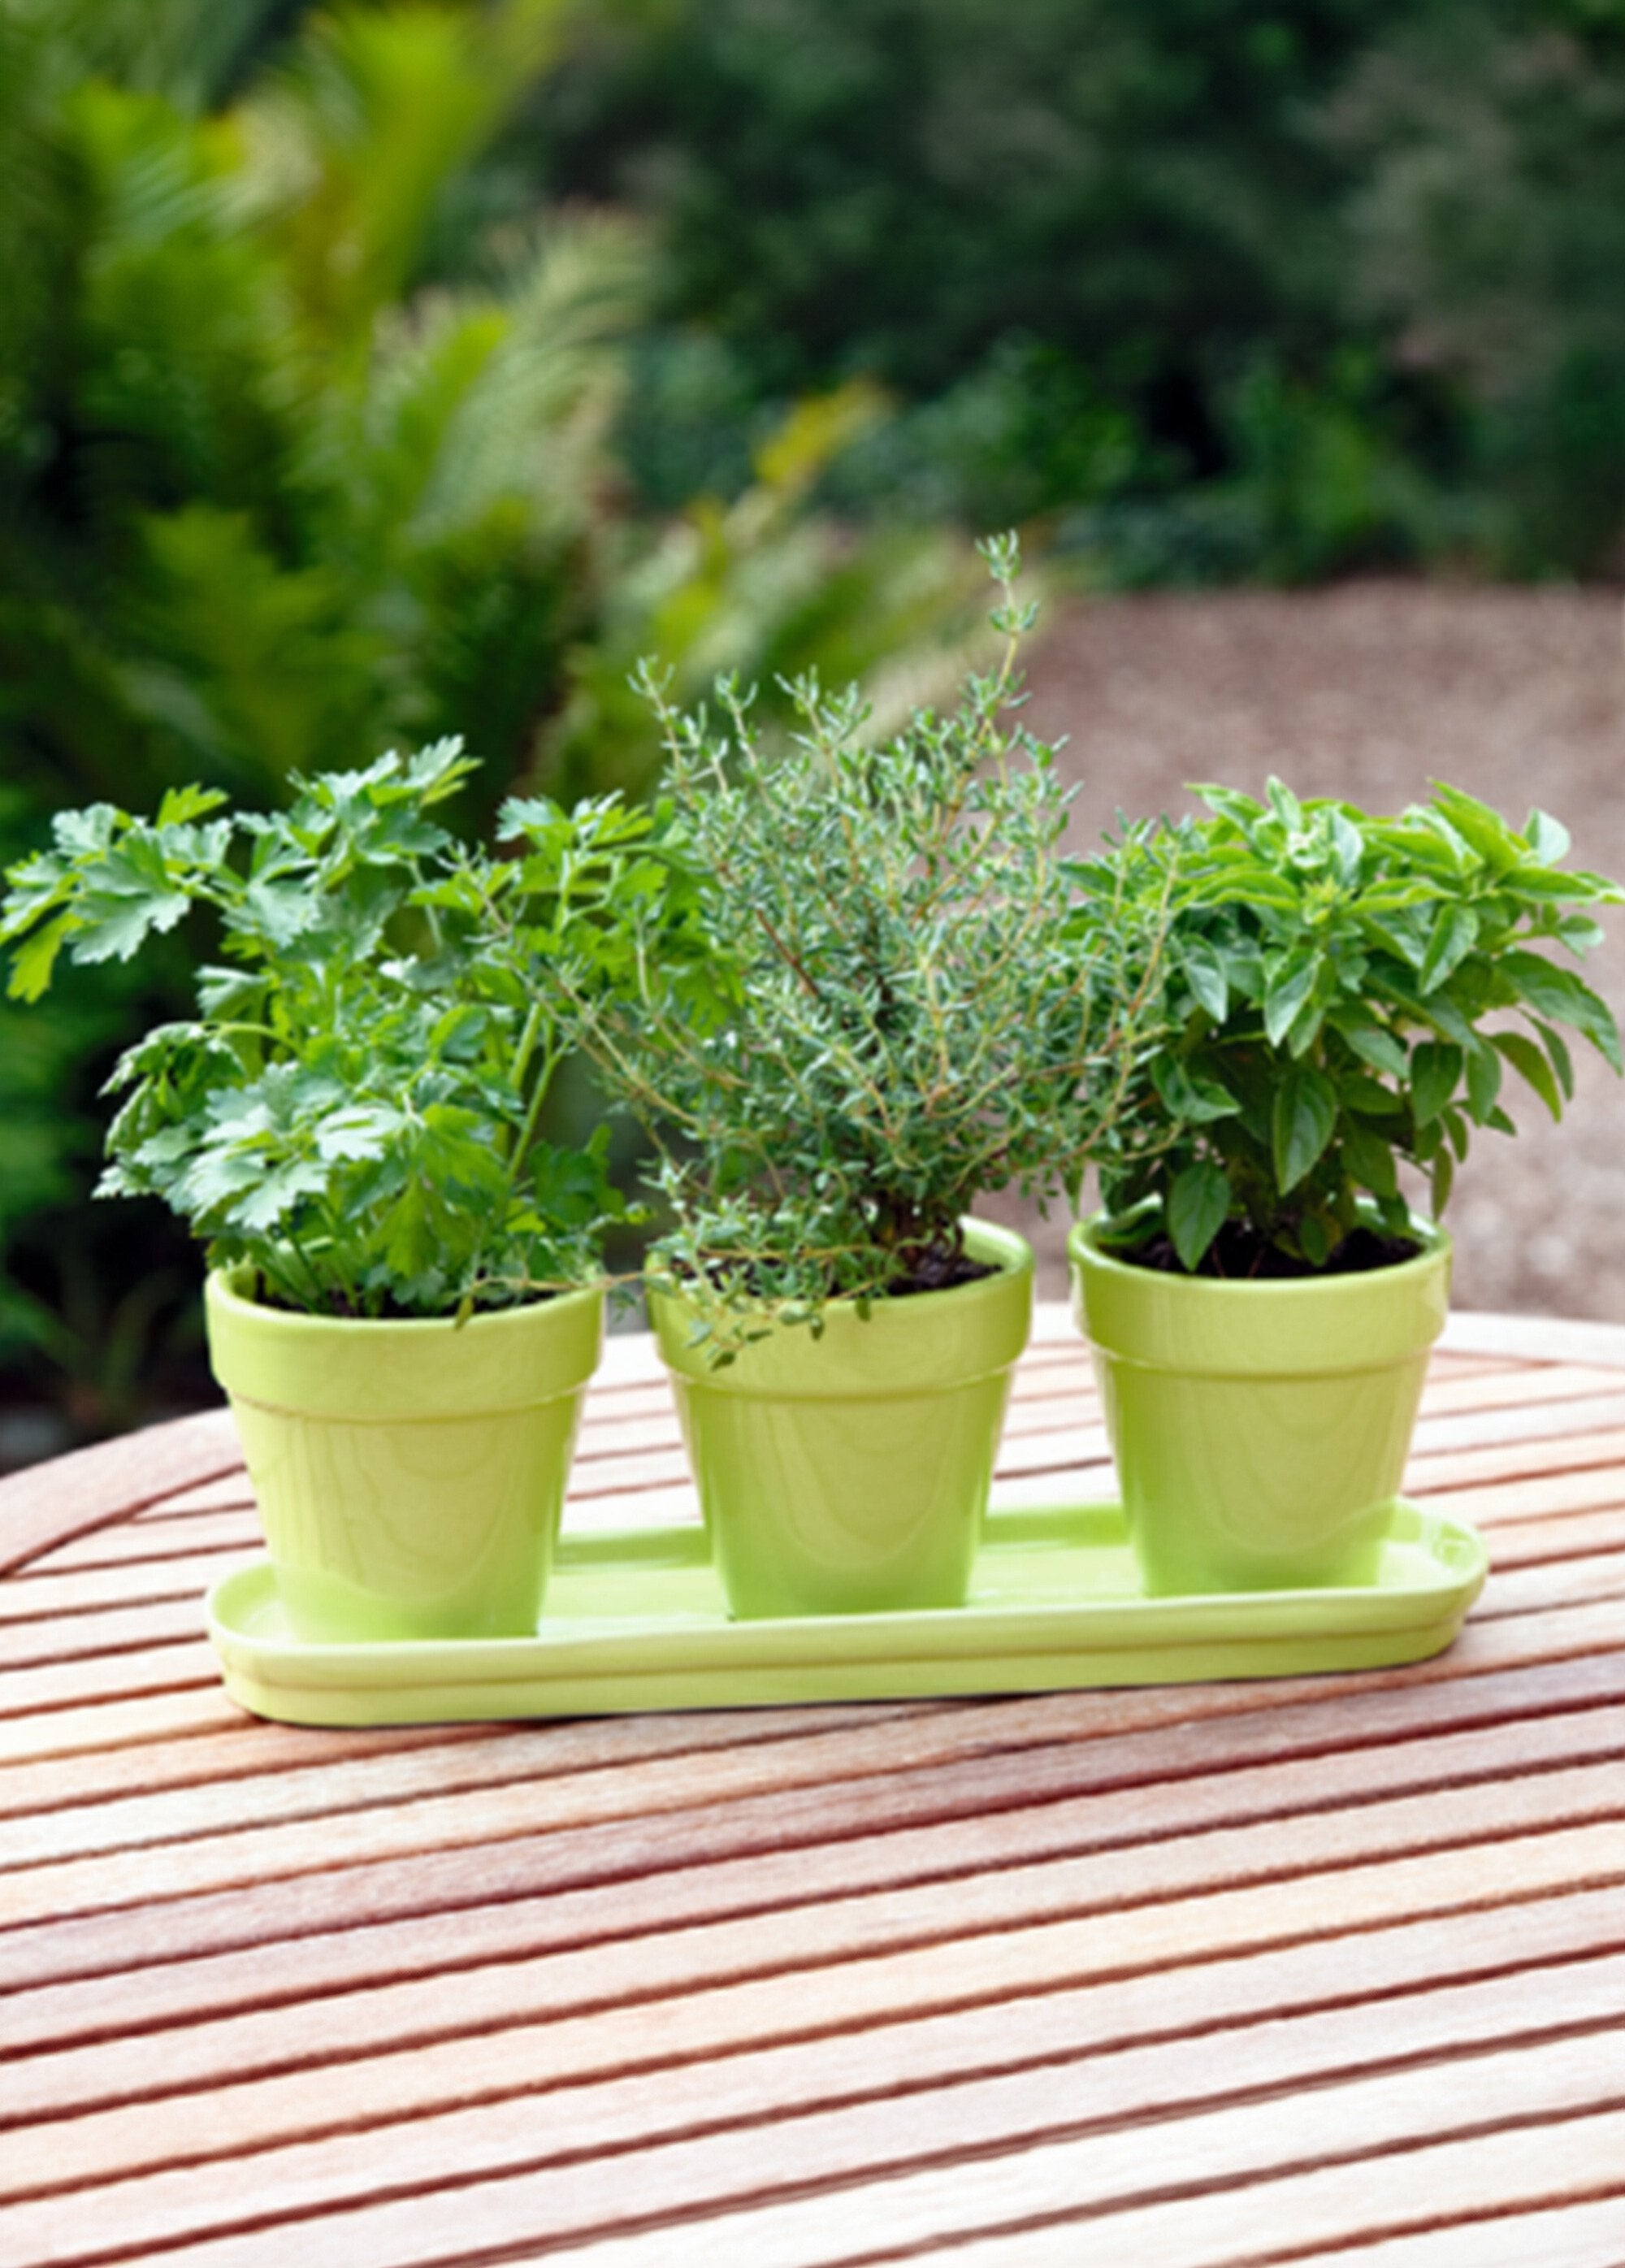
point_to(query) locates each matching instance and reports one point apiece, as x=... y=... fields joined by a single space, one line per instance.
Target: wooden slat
x=208 y=1861
x=47 y=1504
x=47 y=1595
x=115 y=1726
x=707 y=1861
x=241 y=1749
x=1337 y=1923
x=1449 y=1392
x=142 y=1542
x=170 y=1666
x=1115 y=1888
x=66 y=1641
x=1486 y=2202
x=953 y=1759
x=1585 y=2235
x=837 y=2107
x=1535 y=1338
x=1573 y=2083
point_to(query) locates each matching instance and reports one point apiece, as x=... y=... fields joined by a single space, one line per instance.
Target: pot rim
x=404 y=1369
x=222 y=1285
x=976 y=1324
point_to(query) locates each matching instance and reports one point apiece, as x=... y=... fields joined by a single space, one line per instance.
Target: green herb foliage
x=907 y=1006
x=1346 y=992
x=353 y=1111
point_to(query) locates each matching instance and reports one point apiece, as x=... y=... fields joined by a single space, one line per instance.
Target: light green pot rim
x=404 y=1369
x=1299 y=1326
x=930 y=1341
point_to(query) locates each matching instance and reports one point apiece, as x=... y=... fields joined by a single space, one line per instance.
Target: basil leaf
x=1436 y=1070
x=1531 y=1066
x=1199 y=1204
x=1559 y=994
x=1305 y=1113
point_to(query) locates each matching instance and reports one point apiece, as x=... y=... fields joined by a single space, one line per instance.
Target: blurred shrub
x=1325 y=474
x=306 y=449
x=1273 y=293
x=1057 y=227
x=1488 y=229
x=914 y=180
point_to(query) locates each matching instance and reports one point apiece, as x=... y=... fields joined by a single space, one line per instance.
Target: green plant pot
x=1261 y=1429
x=409 y=1475
x=849 y=1473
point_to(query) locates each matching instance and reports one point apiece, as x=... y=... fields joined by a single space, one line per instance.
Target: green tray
x=634 y=1620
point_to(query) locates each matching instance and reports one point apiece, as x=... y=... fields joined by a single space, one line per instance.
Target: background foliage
x=1225 y=291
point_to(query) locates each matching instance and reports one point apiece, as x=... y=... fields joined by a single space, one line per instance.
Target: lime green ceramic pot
x=1260 y=1429
x=849 y=1473
x=409 y=1475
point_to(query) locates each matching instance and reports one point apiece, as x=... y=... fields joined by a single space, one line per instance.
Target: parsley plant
x=353 y=1112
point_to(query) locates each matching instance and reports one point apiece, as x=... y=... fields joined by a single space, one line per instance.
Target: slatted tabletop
x=1242 y=1972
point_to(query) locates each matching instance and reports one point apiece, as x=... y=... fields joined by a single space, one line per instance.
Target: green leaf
x=1358 y=1091
x=1371 y=1161
x=279 y=1192
x=1483 y=1066
x=182 y=805
x=1305 y=1114
x=1198 y=1207
x=1435 y=1073
x=1547 y=837
x=32 y=963
x=1531 y=1066
x=1562 y=1061
x=1442 y=1181
x=1580 y=934
x=1348 y=848
x=1194 y=1100
x=1483 y=828
x=1540 y=886
x=1558 y=994
x=409 y=1241
x=1455 y=933
x=1203 y=971
x=1372 y=1043
x=1286 y=994
x=1284 y=804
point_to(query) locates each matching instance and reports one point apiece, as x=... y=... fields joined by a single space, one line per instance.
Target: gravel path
x=1371 y=691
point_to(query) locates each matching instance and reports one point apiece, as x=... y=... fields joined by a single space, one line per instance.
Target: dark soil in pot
x=1239 y=1255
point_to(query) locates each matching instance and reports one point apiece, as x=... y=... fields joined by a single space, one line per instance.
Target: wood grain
x=1326 y=1968
x=47 y=1504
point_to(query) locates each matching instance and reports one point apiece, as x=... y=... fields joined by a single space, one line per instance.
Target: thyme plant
x=893 y=1001
x=1346 y=993
x=352 y=1113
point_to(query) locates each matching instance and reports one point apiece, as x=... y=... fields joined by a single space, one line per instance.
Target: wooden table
x=1225 y=1973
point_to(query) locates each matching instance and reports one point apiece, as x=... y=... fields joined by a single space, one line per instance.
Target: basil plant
x=1344 y=994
